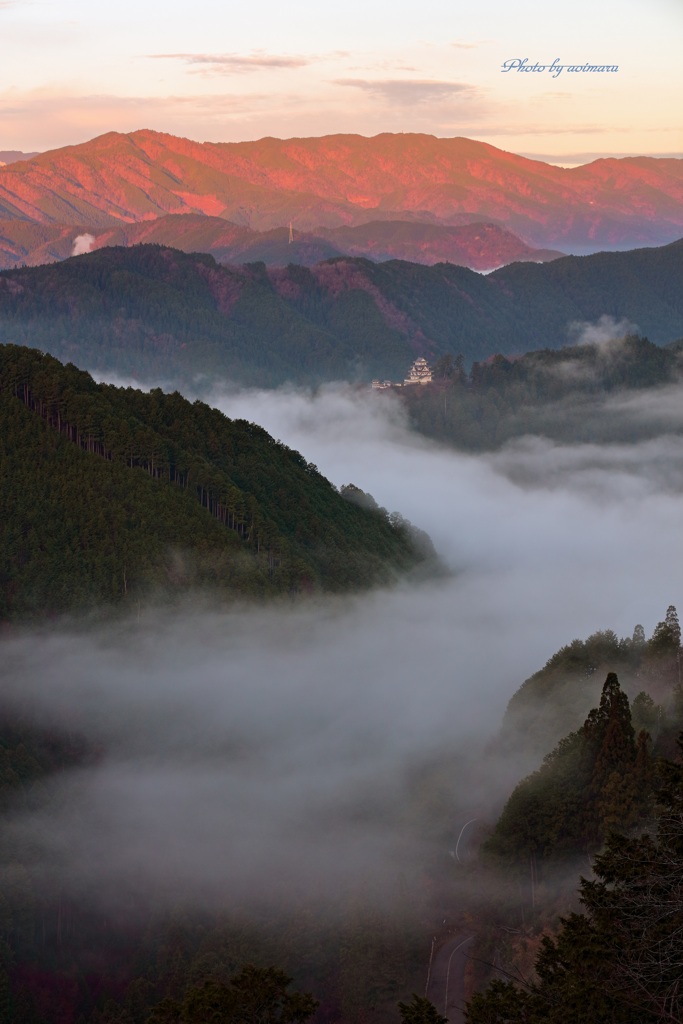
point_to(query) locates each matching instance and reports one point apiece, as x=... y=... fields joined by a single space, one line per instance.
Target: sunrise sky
x=73 y=69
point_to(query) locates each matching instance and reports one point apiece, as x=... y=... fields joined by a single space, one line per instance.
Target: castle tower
x=420 y=372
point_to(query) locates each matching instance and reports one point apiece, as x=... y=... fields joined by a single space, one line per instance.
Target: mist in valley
x=273 y=755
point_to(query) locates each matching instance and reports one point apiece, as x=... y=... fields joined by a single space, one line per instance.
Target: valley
x=324 y=744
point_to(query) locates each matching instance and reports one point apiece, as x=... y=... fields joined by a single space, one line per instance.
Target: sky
x=71 y=70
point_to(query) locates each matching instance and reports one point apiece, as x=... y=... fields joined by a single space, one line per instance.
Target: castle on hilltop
x=419 y=373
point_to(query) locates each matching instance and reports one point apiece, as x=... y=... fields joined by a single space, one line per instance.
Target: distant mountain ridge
x=12 y=156
x=155 y=313
x=479 y=246
x=342 y=180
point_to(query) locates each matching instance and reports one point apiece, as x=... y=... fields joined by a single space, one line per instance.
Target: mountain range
x=11 y=156
x=155 y=313
x=479 y=246
x=348 y=181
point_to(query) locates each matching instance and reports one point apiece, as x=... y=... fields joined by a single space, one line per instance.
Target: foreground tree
x=621 y=961
x=595 y=780
x=420 y=1011
x=257 y=995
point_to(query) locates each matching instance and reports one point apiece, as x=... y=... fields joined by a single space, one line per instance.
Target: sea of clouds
x=264 y=752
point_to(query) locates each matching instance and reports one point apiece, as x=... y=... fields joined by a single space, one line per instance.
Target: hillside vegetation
x=162 y=315
x=610 y=797
x=110 y=494
x=618 y=961
x=574 y=395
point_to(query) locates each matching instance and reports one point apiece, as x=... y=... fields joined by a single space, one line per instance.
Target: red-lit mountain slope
x=349 y=180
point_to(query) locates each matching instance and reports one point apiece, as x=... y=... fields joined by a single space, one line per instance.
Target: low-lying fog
x=549 y=542
x=269 y=751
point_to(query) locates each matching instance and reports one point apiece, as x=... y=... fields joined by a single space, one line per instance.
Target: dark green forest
x=617 y=961
x=558 y=695
x=608 y=797
x=111 y=495
x=158 y=314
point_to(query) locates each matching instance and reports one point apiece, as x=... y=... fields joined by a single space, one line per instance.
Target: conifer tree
x=666 y=638
x=420 y=1010
x=638 y=638
x=621 y=961
x=257 y=995
x=586 y=786
x=611 y=781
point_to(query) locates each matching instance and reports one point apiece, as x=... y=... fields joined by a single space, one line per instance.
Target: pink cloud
x=234 y=63
x=407 y=91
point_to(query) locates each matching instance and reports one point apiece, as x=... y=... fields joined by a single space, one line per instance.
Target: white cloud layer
x=262 y=753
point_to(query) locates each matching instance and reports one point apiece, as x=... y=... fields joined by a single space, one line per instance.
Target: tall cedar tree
x=621 y=961
x=594 y=780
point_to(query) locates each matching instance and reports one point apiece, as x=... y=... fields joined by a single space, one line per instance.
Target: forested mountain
x=595 y=780
x=111 y=493
x=558 y=695
x=564 y=807
x=349 y=180
x=607 y=798
x=159 y=314
x=612 y=790
x=619 y=960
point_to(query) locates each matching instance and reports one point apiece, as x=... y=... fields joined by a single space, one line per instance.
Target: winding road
x=446 y=984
